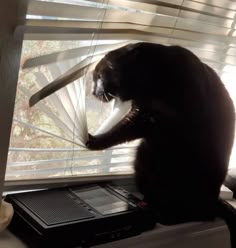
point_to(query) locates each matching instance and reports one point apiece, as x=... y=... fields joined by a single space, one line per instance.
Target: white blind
x=62 y=38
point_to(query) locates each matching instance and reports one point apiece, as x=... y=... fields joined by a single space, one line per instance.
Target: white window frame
x=11 y=12
x=10 y=50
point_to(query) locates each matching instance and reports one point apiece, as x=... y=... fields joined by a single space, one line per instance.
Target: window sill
x=208 y=234
x=19 y=185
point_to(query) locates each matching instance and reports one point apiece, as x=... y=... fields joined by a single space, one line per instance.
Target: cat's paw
x=92 y=143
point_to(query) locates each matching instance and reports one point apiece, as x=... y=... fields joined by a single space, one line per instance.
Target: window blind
x=65 y=39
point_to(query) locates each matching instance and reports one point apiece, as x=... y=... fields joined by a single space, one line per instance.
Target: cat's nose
x=99 y=90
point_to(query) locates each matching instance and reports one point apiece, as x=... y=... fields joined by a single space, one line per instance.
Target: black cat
x=186 y=120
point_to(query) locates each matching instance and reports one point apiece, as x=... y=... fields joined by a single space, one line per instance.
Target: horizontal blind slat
x=71 y=54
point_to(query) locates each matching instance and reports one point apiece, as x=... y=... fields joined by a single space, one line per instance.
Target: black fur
x=186 y=120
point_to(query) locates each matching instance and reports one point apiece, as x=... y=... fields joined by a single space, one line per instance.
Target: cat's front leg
x=130 y=128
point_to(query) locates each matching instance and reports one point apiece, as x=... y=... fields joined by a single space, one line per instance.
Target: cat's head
x=112 y=75
x=130 y=73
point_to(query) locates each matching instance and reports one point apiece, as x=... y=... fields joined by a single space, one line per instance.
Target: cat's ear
x=110 y=64
x=132 y=47
x=132 y=52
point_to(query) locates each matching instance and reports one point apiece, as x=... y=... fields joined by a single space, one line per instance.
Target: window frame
x=16 y=12
x=12 y=40
x=11 y=12
x=10 y=46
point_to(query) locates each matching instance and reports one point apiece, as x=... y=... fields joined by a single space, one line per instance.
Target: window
x=62 y=36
